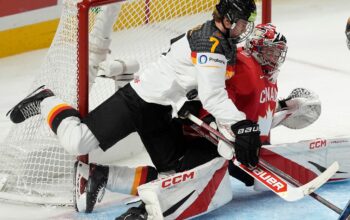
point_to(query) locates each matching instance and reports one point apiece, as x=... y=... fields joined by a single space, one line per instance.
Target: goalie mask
x=269 y=48
x=241 y=14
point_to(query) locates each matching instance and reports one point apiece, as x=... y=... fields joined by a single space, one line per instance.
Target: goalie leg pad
x=119 y=69
x=100 y=38
x=188 y=194
x=310 y=158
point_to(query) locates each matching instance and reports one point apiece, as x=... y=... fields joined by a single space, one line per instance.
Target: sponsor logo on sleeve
x=203 y=59
x=209 y=60
x=216 y=60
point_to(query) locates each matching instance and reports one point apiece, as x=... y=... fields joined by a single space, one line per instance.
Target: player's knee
x=76 y=137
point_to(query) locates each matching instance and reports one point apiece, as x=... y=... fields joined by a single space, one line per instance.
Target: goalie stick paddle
x=344 y=214
x=309 y=187
x=264 y=174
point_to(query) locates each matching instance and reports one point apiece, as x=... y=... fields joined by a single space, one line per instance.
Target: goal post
x=266 y=6
x=34 y=168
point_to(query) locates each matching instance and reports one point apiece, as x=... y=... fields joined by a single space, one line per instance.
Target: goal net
x=34 y=168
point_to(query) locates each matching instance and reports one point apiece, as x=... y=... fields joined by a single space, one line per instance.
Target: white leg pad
x=188 y=194
x=100 y=37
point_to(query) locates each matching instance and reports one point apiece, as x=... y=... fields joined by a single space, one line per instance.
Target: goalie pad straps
x=188 y=194
x=126 y=180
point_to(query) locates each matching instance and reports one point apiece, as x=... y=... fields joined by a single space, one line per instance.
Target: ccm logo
x=248 y=130
x=177 y=179
x=318 y=144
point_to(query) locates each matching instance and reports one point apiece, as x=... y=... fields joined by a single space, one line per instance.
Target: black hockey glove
x=247 y=144
x=192 y=107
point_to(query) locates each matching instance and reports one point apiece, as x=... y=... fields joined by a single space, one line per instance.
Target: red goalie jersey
x=252 y=92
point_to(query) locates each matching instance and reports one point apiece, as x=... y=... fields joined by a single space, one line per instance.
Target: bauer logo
x=268 y=179
x=202 y=59
x=176 y=179
x=248 y=130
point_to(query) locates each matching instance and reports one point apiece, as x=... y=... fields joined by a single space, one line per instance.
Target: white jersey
x=168 y=80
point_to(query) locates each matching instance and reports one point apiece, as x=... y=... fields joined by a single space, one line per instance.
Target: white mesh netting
x=33 y=166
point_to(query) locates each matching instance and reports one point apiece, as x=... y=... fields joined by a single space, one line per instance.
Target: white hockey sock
x=126 y=180
x=64 y=121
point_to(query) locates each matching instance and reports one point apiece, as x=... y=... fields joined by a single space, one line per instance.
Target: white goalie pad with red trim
x=305 y=160
x=188 y=194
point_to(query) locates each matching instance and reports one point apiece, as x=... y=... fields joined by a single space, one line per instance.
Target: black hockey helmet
x=237 y=9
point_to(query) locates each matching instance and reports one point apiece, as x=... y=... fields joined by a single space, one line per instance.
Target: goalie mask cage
x=34 y=168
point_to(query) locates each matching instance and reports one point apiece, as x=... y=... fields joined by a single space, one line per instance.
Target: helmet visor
x=240 y=30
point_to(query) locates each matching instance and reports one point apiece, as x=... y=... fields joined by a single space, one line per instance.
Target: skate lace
x=103 y=188
x=31 y=109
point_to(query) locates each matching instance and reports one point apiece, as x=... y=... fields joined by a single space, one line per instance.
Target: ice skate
x=134 y=213
x=29 y=106
x=96 y=185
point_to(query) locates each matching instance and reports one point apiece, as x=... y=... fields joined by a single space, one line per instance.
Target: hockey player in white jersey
x=129 y=176
x=200 y=59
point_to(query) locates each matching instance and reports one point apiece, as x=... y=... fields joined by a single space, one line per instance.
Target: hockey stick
x=344 y=213
x=264 y=174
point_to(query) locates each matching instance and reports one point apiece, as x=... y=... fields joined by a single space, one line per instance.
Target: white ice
x=318 y=59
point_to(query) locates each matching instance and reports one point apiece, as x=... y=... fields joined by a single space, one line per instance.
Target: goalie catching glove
x=247 y=144
x=305 y=106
